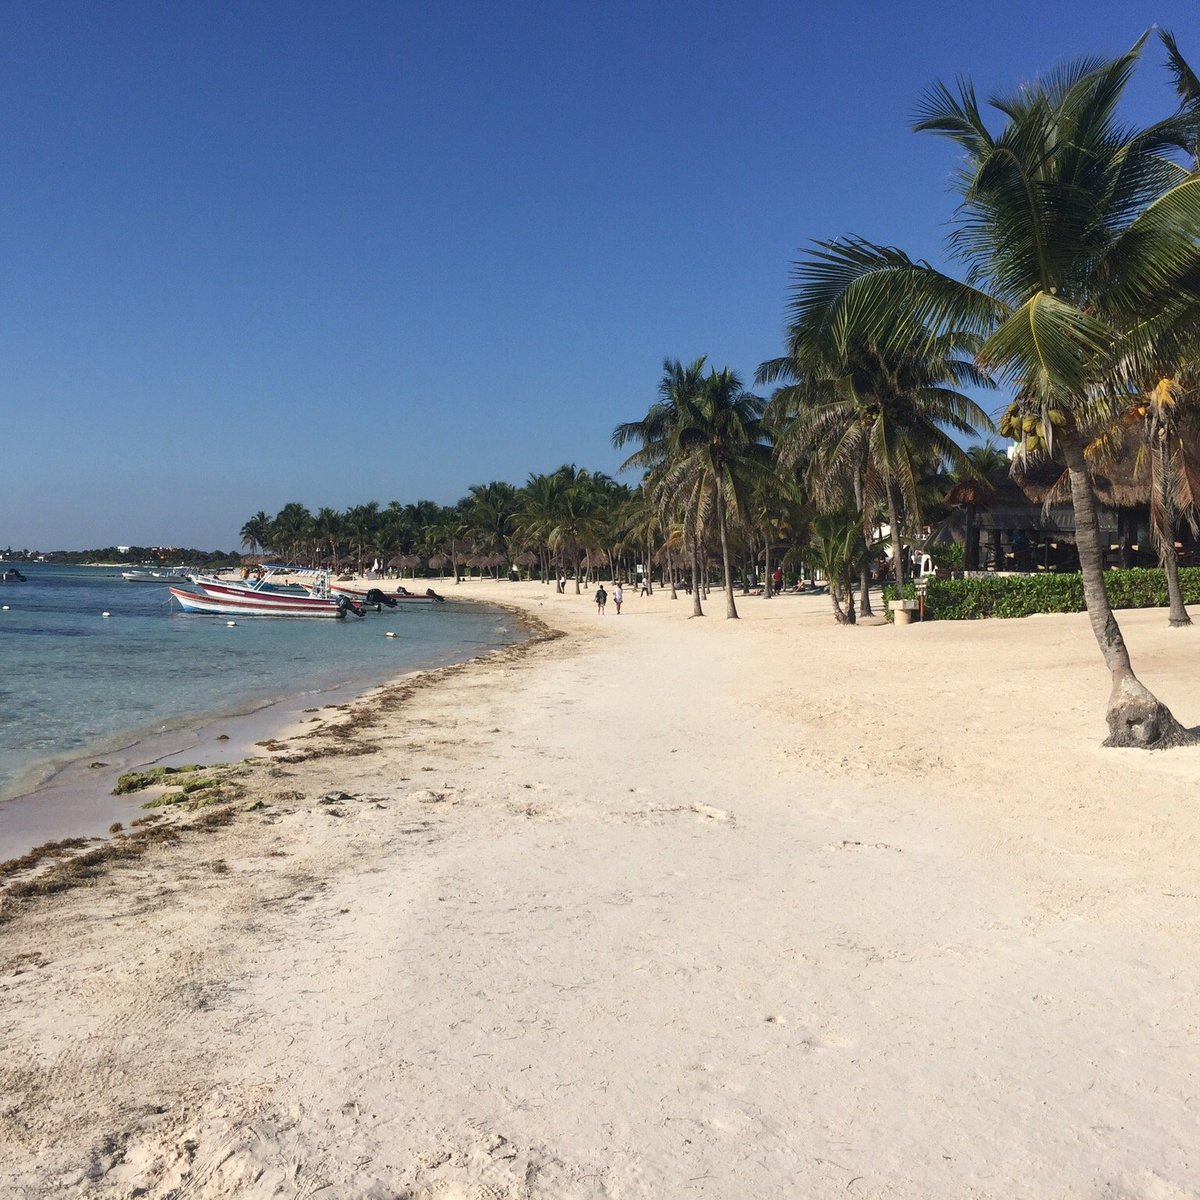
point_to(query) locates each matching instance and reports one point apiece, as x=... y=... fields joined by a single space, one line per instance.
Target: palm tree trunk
x=1178 y=615
x=897 y=540
x=1135 y=717
x=768 y=588
x=864 y=571
x=731 y=612
x=697 y=611
x=670 y=572
x=835 y=594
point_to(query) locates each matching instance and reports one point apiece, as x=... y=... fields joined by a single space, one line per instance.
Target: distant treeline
x=131 y=555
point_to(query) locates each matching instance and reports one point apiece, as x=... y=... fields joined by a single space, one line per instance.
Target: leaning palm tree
x=1168 y=420
x=1081 y=243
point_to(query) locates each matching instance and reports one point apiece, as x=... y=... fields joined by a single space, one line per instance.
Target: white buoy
x=231 y=624
x=4 y=608
x=389 y=634
x=106 y=614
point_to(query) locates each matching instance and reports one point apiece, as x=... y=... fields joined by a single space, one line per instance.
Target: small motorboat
x=263 y=604
x=148 y=575
x=375 y=596
x=12 y=575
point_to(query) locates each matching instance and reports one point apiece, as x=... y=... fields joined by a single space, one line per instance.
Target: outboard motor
x=434 y=596
x=352 y=606
x=379 y=599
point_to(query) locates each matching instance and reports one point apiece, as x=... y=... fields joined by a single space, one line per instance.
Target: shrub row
x=1024 y=595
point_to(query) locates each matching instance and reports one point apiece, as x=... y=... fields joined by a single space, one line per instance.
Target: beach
x=648 y=907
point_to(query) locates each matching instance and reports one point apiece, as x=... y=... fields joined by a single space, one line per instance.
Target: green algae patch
x=135 y=781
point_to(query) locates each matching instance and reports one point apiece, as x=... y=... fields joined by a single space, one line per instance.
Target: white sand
x=666 y=908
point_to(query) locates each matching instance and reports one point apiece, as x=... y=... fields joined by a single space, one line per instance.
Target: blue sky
x=264 y=252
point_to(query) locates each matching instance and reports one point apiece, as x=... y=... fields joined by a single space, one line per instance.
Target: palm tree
x=327 y=526
x=256 y=531
x=291 y=530
x=717 y=445
x=1168 y=419
x=576 y=519
x=679 y=386
x=360 y=524
x=873 y=393
x=1079 y=237
x=838 y=549
x=971 y=489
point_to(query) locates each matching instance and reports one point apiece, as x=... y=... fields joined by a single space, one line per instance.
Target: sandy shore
x=660 y=908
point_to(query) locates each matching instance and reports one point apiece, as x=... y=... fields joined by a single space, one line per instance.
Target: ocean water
x=74 y=684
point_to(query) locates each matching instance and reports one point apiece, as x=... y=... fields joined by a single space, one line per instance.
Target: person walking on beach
x=562 y=583
x=618 y=596
x=601 y=600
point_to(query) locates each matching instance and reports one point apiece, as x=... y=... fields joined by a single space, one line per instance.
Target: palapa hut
x=1021 y=518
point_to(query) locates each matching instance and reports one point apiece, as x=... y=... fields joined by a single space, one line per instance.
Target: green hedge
x=1024 y=595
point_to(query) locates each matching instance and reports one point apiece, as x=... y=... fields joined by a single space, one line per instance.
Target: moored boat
x=400 y=596
x=12 y=575
x=262 y=604
x=154 y=575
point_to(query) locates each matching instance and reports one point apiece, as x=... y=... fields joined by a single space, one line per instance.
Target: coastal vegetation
x=1027 y=595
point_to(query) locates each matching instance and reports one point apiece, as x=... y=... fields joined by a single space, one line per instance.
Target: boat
x=12 y=575
x=154 y=575
x=375 y=596
x=262 y=604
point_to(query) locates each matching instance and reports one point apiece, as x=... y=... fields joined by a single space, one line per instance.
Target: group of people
x=618 y=598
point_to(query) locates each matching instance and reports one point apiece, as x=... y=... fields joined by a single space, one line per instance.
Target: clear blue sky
x=262 y=252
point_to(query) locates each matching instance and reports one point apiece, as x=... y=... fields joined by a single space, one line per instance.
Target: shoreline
x=764 y=907
x=72 y=798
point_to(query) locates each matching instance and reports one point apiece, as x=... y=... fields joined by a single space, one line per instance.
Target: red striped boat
x=262 y=604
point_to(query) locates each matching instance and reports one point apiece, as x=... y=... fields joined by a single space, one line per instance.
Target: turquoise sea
x=75 y=684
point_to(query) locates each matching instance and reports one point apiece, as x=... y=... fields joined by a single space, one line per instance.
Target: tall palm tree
x=360 y=523
x=717 y=445
x=874 y=400
x=327 y=526
x=291 y=530
x=1081 y=243
x=679 y=386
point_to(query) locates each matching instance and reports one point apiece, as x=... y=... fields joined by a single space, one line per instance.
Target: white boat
x=156 y=575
